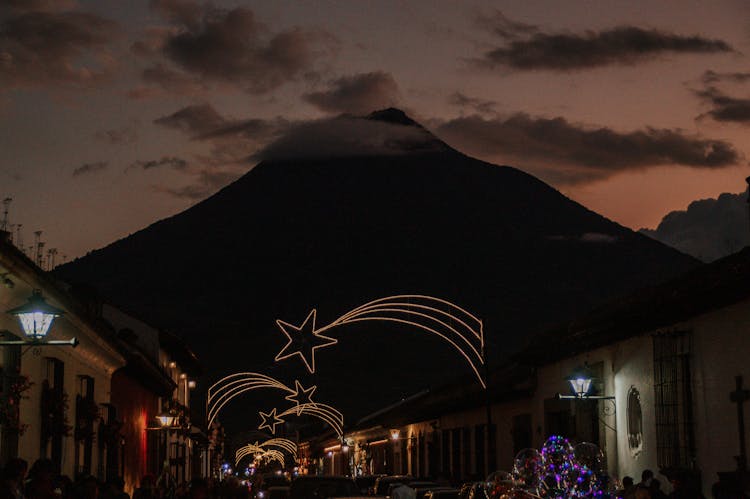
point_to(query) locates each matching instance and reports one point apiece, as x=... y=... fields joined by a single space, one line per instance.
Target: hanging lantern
x=36 y=316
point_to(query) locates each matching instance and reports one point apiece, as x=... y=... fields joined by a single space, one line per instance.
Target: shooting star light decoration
x=284 y=444
x=229 y=387
x=450 y=322
x=281 y=443
x=270 y=421
x=303 y=341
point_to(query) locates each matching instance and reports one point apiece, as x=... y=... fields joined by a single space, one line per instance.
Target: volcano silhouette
x=332 y=229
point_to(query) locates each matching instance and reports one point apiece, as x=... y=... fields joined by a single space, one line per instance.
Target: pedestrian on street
x=14 y=475
x=198 y=489
x=646 y=477
x=146 y=490
x=41 y=480
x=628 y=489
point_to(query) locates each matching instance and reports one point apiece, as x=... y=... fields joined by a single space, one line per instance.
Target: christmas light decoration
x=245 y=451
x=282 y=443
x=303 y=341
x=557 y=471
x=450 y=322
x=229 y=387
x=322 y=411
x=270 y=421
x=262 y=449
x=301 y=395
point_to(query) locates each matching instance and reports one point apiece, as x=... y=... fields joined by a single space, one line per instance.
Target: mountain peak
x=394 y=116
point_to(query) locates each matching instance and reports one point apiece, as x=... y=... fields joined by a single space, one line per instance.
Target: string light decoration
x=322 y=411
x=557 y=471
x=247 y=450
x=450 y=322
x=260 y=449
x=229 y=387
x=270 y=421
x=282 y=443
x=301 y=395
x=274 y=455
x=303 y=341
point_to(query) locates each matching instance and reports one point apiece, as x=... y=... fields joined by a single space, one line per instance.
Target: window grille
x=675 y=438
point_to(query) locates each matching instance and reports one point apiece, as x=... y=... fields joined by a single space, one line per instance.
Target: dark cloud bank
x=724 y=108
x=230 y=46
x=42 y=45
x=709 y=229
x=357 y=94
x=567 y=153
x=527 y=48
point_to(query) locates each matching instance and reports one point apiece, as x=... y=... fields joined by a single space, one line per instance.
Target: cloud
x=118 y=136
x=724 y=107
x=573 y=153
x=46 y=48
x=710 y=77
x=39 y=5
x=165 y=80
x=195 y=119
x=497 y=23
x=346 y=136
x=88 y=168
x=231 y=141
x=231 y=46
x=357 y=94
x=481 y=106
x=624 y=45
x=708 y=229
x=184 y=12
x=165 y=161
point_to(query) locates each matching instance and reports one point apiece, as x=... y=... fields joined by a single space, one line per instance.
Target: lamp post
x=580 y=381
x=167 y=420
x=36 y=317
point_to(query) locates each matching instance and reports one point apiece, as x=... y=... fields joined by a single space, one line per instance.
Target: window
x=456 y=452
x=521 y=432
x=635 y=422
x=675 y=446
x=86 y=414
x=479 y=447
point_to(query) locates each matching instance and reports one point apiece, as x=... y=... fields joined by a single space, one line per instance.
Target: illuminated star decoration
x=234 y=385
x=303 y=341
x=447 y=320
x=274 y=420
x=301 y=396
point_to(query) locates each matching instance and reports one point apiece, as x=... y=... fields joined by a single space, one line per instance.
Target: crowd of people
x=648 y=488
x=42 y=482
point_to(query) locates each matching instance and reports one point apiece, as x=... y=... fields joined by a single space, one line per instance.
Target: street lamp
x=36 y=317
x=580 y=381
x=166 y=419
x=395 y=434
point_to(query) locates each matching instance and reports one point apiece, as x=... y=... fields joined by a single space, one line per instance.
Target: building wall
x=625 y=365
x=721 y=343
x=94 y=357
x=137 y=407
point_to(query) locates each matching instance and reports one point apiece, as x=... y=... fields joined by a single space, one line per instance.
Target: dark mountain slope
x=336 y=233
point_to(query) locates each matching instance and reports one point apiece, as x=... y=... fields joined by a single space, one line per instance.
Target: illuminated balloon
x=498 y=484
x=557 y=456
x=589 y=455
x=528 y=468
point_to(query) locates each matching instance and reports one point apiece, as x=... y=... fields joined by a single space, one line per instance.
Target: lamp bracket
x=587 y=397
x=73 y=342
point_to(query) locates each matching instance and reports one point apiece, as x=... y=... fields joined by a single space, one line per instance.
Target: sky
x=114 y=115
